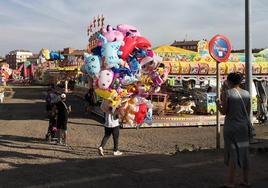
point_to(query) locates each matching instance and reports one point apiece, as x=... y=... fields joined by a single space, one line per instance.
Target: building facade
x=188 y=45
x=15 y=57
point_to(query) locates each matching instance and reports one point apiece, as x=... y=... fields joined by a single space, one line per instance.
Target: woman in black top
x=62 y=118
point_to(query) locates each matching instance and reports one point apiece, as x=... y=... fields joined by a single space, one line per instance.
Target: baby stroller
x=52 y=128
x=51 y=99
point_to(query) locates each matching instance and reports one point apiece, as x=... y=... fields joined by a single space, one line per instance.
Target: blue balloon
x=92 y=65
x=56 y=56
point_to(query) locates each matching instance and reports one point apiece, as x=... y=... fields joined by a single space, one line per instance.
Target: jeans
x=108 y=132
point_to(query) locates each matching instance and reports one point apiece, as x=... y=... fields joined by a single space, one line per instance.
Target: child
x=111 y=126
x=51 y=112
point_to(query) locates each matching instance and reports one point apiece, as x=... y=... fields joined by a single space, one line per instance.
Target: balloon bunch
x=125 y=71
x=45 y=54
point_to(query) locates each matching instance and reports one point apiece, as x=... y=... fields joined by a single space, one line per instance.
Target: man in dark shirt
x=62 y=118
x=89 y=101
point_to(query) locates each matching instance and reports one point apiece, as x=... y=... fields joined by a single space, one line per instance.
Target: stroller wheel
x=48 y=138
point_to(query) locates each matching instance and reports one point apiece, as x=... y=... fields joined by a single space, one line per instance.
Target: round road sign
x=219 y=48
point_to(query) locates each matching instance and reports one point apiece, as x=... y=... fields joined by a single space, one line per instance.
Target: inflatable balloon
x=127 y=80
x=56 y=56
x=148 y=64
x=128 y=47
x=132 y=42
x=110 y=95
x=110 y=50
x=149 y=115
x=141 y=114
x=142 y=42
x=105 y=79
x=126 y=71
x=134 y=65
x=128 y=30
x=92 y=65
x=112 y=35
x=45 y=53
x=121 y=72
x=129 y=110
x=42 y=59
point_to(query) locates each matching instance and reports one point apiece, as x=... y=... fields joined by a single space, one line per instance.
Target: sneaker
x=117 y=153
x=59 y=142
x=101 y=151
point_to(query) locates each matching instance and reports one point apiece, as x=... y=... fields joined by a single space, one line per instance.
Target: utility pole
x=248 y=51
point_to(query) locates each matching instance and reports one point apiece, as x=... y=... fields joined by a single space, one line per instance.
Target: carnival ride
x=193 y=73
x=23 y=74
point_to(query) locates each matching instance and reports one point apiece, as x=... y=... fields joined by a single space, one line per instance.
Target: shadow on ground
x=204 y=169
x=32 y=106
x=129 y=171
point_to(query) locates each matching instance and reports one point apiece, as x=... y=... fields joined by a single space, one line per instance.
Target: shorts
x=62 y=124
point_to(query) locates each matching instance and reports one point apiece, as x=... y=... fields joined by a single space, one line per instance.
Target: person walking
x=235 y=105
x=111 y=126
x=89 y=100
x=63 y=111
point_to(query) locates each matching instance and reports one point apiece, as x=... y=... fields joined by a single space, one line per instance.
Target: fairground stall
x=59 y=68
x=188 y=97
x=193 y=78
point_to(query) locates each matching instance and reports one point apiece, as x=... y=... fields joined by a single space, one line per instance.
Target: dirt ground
x=150 y=155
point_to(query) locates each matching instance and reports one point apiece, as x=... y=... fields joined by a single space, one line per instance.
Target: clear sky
x=55 y=24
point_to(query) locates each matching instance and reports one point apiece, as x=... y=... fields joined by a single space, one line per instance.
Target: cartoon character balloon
x=105 y=79
x=92 y=65
x=112 y=35
x=45 y=53
x=128 y=30
x=110 y=51
x=125 y=71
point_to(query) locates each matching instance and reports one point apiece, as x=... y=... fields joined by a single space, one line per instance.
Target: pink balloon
x=124 y=28
x=112 y=35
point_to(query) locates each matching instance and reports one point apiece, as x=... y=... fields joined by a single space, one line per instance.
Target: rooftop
x=184 y=42
x=14 y=51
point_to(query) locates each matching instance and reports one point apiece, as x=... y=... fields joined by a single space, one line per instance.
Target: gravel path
x=23 y=150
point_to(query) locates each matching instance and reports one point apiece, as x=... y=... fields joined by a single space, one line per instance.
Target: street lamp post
x=248 y=53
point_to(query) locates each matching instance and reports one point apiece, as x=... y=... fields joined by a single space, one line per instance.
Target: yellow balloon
x=45 y=53
x=106 y=94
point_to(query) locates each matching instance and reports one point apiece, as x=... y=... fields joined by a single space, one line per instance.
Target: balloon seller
x=125 y=71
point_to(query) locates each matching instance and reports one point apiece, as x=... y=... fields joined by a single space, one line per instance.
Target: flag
x=98 y=21
x=94 y=22
x=102 y=20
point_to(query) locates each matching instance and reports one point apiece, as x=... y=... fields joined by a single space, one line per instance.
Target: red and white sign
x=220 y=48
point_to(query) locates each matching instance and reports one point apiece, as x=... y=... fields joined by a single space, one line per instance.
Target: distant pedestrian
x=236 y=106
x=63 y=111
x=111 y=126
x=89 y=100
x=51 y=99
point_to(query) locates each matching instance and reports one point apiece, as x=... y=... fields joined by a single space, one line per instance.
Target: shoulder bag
x=251 y=130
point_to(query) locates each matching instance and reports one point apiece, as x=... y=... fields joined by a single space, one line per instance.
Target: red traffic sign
x=220 y=48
